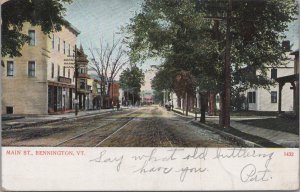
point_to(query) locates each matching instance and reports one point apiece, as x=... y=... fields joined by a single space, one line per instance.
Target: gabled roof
x=295 y=52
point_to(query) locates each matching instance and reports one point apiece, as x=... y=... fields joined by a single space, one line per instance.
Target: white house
x=261 y=99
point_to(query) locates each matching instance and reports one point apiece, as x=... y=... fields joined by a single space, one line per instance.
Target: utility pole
x=75 y=66
x=164 y=99
x=227 y=71
x=225 y=94
x=76 y=80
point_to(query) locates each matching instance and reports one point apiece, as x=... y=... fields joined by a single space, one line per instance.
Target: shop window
x=59 y=97
x=50 y=97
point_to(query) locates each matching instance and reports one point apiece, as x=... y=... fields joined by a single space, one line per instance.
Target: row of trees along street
x=212 y=45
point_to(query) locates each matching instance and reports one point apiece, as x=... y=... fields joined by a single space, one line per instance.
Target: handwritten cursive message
x=250 y=164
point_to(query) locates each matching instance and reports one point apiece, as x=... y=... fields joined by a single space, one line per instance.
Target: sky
x=97 y=19
x=102 y=18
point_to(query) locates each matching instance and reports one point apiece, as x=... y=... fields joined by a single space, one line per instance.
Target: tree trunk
x=227 y=70
x=212 y=103
x=203 y=103
x=221 y=115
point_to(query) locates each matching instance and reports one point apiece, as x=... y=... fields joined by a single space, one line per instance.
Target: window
x=52 y=70
x=58 y=71
x=31 y=68
x=273 y=96
x=59 y=97
x=69 y=50
x=10 y=68
x=69 y=74
x=58 y=45
x=31 y=34
x=64 y=47
x=53 y=41
x=82 y=84
x=64 y=71
x=273 y=73
x=251 y=97
x=9 y=110
x=81 y=71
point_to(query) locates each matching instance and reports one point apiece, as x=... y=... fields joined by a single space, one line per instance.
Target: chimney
x=286 y=45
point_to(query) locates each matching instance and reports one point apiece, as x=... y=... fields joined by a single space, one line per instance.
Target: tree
x=131 y=81
x=107 y=61
x=176 y=31
x=251 y=32
x=203 y=36
x=185 y=86
x=46 y=13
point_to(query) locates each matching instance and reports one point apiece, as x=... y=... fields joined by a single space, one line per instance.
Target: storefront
x=60 y=95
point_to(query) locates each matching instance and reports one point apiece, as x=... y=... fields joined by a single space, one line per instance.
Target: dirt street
x=150 y=126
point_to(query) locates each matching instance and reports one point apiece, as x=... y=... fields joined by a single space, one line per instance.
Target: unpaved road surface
x=150 y=126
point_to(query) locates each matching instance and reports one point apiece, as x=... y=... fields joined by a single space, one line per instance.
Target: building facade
x=291 y=81
x=83 y=89
x=114 y=93
x=261 y=99
x=40 y=81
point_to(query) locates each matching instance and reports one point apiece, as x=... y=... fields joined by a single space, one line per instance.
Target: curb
x=19 y=126
x=229 y=136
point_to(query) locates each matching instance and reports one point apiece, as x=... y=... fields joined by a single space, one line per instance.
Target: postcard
x=149 y=95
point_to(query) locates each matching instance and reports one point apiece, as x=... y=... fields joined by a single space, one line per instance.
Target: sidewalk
x=33 y=120
x=281 y=138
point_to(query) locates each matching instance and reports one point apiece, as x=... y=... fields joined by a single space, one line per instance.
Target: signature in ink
x=249 y=173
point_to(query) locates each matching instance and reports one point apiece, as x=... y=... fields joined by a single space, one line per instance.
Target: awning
x=60 y=84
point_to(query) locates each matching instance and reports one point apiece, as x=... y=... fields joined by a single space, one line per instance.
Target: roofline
x=295 y=52
x=72 y=27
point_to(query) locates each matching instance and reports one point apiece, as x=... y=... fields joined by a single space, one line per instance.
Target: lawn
x=279 y=124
